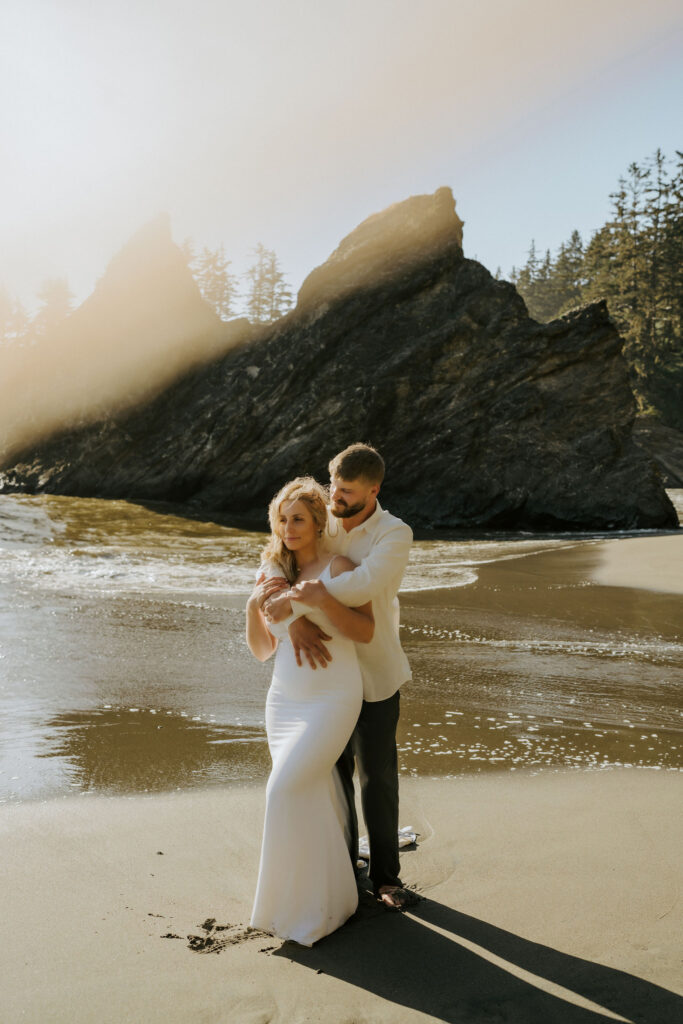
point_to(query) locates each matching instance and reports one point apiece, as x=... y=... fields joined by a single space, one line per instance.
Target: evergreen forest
x=634 y=262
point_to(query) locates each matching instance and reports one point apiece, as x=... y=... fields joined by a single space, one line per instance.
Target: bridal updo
x=315 y=498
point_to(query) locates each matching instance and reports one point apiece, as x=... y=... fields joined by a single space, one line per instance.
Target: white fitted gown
x=306 y=885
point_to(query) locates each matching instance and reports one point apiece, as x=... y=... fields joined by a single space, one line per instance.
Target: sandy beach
x=648 y=563
x=547 y=888
x=545 y=899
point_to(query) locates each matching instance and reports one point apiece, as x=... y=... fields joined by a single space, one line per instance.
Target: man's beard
x=346 y=511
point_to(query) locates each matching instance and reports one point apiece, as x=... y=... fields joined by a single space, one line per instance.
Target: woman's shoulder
x=340 y=564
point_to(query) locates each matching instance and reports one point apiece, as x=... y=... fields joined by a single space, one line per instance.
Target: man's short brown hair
x=358 y=462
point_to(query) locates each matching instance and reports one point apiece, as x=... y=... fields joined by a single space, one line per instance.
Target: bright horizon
x=289 y=124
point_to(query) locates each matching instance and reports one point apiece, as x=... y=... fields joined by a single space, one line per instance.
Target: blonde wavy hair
x=315 y=498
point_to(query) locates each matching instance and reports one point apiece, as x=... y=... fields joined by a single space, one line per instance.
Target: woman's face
x=296 y=525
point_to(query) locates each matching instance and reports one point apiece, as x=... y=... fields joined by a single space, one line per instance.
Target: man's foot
x=395 y=897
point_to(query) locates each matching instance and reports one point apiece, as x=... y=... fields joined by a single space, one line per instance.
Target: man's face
x=349 y=497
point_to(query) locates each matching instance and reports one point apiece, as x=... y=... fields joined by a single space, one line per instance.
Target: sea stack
x=485 y=417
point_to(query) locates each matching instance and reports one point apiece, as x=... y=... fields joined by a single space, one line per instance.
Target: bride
x=306 y=885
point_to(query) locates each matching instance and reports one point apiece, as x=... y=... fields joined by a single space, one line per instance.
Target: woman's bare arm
x=260 y=640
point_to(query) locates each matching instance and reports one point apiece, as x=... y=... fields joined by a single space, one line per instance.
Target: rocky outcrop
x=406 y=233
x=664 y=445
x=485 y=417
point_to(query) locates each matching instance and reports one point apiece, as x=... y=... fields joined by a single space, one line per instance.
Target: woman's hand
x=278 y=607
x=266 y=589
x=260 y=640
x=312 y=592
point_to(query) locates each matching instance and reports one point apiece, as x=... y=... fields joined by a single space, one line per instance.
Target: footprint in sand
x=217 y=937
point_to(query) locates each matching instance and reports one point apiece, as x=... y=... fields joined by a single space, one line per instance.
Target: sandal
x=394 y=897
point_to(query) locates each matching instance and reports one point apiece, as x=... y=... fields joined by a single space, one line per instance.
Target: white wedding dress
x=306 y=884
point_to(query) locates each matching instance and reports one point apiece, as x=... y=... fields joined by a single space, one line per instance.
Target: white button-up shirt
x=380 y=546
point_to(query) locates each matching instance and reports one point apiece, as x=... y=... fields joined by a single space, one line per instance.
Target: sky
x=289 y=122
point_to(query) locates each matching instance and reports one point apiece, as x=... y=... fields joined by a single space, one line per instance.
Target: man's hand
x=307 y=639
x=312 y=592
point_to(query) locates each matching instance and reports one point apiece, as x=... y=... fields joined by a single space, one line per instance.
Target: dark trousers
x=373 y=747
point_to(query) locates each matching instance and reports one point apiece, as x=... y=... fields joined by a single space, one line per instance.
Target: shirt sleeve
x=386 y=562
x=269 y=570
x=281 y=629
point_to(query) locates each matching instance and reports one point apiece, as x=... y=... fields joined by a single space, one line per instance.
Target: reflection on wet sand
x=543 y=669
x=128 y=750
x=522 y=658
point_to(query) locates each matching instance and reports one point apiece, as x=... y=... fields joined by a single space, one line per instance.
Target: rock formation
x=485 y=417
x=664 y=445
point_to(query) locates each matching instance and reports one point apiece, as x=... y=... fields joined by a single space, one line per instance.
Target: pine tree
x=598 y=266
x=525 y=278
x=537 y=284
x=568 y=274
x=663 y=384
x=268 y=296
x=545 y=299
x=280 y=294
x=655 y=199
x=217 y=285
x=257 y=302
x=630 y=304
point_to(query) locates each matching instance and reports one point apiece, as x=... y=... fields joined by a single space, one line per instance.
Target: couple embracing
x=326 y=604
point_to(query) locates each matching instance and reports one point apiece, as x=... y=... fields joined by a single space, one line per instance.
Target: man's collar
x=368 y=523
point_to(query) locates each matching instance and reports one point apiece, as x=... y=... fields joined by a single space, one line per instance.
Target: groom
x=361 y=529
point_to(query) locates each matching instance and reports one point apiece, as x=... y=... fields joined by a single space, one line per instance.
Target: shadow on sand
x=401 y=958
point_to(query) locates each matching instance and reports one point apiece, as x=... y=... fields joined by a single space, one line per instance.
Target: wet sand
x=532 y=664
x=543 y=899
x=538 y=665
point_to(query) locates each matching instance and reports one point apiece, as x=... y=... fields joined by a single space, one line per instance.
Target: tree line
x=265 y=298
x=634 y=262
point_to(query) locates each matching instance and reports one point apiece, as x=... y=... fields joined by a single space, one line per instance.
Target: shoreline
x=533 y=664
x=543 y=897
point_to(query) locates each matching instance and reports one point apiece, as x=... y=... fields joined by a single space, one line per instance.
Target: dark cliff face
x=664 y=445
x=483 y=416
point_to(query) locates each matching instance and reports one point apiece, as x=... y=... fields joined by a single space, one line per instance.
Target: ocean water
x=123 y=666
